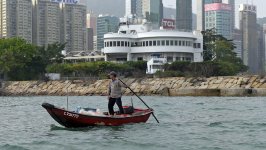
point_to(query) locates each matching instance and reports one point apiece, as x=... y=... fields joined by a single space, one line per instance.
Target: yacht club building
x=136 y=42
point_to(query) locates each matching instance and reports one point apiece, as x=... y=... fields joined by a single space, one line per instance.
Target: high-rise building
x=264 y=37
x=46 y=22
x=237 y=36
x=232 y=4
x=16 y=19
x=131 y=7
x=92 y=22
x=152 y=10
x=105 y=24
x=218 y=16
x=73 y=27
x=200 y=15
x=248 y=27
x=90 y=39
x=261 y=49
x=184 y=15
x=91 y=29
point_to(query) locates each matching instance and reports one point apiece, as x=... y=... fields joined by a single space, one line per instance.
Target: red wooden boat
x=71 y=119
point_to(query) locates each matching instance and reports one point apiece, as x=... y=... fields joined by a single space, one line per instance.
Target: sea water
x=186 y=123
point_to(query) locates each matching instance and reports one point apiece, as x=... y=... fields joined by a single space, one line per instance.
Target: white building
x=140 y=42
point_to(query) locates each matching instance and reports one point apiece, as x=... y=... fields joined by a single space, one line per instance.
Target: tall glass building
x=184 y=15
x=105 y=24
x=218 y=16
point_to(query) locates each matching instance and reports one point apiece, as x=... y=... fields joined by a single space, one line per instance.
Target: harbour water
x=187 y=123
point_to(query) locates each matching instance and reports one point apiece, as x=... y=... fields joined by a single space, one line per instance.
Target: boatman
x=115 y=93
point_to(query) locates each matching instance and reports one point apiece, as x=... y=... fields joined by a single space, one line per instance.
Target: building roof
x=155 y=33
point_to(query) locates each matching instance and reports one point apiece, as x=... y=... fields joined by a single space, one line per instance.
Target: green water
x=187 y=123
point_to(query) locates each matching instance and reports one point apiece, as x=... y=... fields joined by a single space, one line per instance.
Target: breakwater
x=177 y=86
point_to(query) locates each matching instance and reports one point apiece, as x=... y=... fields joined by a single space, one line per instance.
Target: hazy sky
x=261 y=4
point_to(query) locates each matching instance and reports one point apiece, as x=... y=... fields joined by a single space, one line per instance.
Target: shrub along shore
x=175 y=86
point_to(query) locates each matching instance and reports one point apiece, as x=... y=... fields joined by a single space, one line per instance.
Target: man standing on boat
x=115 y=93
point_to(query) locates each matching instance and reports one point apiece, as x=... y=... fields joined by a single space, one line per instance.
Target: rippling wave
x=187 y=123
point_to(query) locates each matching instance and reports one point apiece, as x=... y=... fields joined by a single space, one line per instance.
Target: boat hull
x=71 y=119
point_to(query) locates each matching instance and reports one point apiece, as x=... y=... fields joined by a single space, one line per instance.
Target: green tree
x=15 y=54
x=209 y=38
x=20 y=60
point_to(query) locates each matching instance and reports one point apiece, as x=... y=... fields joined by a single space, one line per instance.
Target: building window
x=150 y=43
x=167 y=42
x=154 y=43
x=122 y=43
x=147 y=43
x=178 y=59
x=188 y=59
x=107 y=44
x=104 y=44
x=169 y=59
x=125 y=44
x=138 y=44
x=180 y=43
x=143 y=43
x=158 y=43
x=118 y=43
x=114 y=43
x=176 y=43
x=128 y=44
x=198 y=45
x=189 y=43
x=183 y=43
x=111 y=44
x=140 y=58
x=172 y=43
x=163 y=43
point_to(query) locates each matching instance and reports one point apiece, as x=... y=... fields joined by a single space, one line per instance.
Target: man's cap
x=112 y=73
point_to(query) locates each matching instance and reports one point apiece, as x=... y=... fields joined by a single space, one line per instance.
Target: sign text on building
x=168 y=24
x=217 y=6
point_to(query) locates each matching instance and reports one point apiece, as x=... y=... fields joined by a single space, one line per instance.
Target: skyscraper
x=261 y=49
x=91 y=30
x=92 y=22
x=218 y=16
x=73 y=27
x=90 y=39
x=46 y=22
x=232 y=4
x=184 y=15
x=105 y=24
x=16 y=19
x=152 y=10
x=200 y=15
x=131 y=7
x=248 y=27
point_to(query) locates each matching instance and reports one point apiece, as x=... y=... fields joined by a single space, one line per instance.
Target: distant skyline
x=261 y=4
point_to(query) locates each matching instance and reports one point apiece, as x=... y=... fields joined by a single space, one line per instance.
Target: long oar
x=140 y=99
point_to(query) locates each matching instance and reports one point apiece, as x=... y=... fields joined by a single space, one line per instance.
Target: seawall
x=177 y=86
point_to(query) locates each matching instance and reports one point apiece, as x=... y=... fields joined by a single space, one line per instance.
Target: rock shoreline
x=177 y=86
